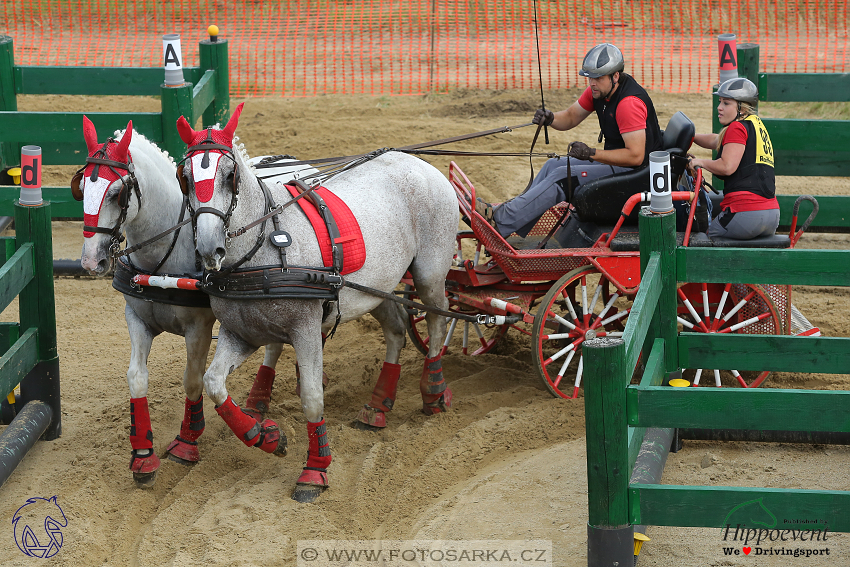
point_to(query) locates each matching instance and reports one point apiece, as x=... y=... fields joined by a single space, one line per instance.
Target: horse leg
x=184 y=448
x=144 y=462
x=230 y=352
x=298 y=373
x=259 y=398
x=391 y=317
x=436 y=397
x=314 y=478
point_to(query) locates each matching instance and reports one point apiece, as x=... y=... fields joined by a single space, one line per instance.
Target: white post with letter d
x=661 y=184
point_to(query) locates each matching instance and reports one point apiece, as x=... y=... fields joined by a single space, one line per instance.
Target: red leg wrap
x=141 y=436
x=383 y=397
x=185 y=445
x=318 y=455
x=259 y=398
x=436 y=397
x=265 y=435
x=298 y=380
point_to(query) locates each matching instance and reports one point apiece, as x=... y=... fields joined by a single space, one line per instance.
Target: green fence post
x=176 y=102
x=214 y=56
x=658 y=234
x=610 y=539
x=9 y=156
x=37 y=307
x=748 y=61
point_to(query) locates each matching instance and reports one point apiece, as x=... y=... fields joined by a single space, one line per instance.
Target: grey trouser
x=744 y=225
x=547 y=190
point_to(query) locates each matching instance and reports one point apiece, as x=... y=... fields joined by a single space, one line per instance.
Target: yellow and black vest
x=755 y=172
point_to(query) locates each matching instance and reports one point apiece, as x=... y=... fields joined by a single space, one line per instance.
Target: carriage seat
x=601 y=200
x=628 y=241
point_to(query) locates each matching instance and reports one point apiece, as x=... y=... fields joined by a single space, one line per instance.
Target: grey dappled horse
x=106 y=189
x=408 y=216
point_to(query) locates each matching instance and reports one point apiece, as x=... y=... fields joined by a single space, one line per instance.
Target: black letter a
x=171 y=55
x=726 y=56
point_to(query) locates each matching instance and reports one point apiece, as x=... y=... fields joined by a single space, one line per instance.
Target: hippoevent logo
x=750 y=528
x=38 y=527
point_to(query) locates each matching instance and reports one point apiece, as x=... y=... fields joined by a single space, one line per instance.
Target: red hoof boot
x=144 y=468
x=314 y=477
x=271 y=440
x=443 y=403
x=371 y=416
x=183 y=452
x=259 y=398
x=265 y=435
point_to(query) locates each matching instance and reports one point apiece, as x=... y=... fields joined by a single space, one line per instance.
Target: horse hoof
x=306 y=493
x=145 y=480
x=280 y=450
x=375 y=419
x=183 y=452
x=441 y=405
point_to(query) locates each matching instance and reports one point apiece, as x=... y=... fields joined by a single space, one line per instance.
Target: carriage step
x=800 y=326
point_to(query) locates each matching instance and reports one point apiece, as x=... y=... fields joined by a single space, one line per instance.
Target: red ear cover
x=234 y=120
x=124 y=144
x=90 y=135
x=186 y=132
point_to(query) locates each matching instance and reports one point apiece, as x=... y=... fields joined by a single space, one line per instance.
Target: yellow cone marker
x=15 y=174
x=679 y=383
x=639 y=539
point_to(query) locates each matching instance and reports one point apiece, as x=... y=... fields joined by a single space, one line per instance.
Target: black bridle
x=129 y=185
x=206 y=146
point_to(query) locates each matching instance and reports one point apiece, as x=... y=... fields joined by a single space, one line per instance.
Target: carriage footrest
x=800 y=326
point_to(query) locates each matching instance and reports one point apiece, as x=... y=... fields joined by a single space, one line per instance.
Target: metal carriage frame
x=554 y=294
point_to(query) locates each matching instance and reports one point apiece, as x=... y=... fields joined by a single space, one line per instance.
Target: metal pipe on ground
x=20 y=435
x=649 y=465
x=68 y=268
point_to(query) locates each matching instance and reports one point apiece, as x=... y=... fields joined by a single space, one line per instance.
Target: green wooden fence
x=60 y=134
x=617 y=413
x=28 y=351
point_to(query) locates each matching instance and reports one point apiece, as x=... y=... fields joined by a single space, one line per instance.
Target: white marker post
x=661 y=185
x=727 y=49
x=31 y=176
x=173 y=58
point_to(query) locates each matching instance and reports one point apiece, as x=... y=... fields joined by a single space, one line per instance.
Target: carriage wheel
x=733 y=308
x=581 y=305
x=462 y=336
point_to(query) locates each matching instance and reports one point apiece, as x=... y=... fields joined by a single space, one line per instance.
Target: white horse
x=408 y=215
x=144 y=203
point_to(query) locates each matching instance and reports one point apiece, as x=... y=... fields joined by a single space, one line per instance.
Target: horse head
x=105 y=185
x=210 y=177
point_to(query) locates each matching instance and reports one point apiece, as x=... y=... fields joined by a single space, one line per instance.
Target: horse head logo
x=751 y=513
x=38 y=527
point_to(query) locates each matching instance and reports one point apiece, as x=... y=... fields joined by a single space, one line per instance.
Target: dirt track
x=507 y=463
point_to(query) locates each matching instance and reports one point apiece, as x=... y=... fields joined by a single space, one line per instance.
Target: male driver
x=627 y=121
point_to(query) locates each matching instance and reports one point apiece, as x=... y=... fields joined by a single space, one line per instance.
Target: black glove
x=543 y=117
x=580 y=150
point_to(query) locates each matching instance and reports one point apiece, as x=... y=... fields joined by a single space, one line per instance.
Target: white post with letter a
x=173 y=58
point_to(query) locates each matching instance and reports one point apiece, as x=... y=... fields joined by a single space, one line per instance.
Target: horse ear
x=125 y=141
x=90 y=135
x=186 y=132
x=234 y=120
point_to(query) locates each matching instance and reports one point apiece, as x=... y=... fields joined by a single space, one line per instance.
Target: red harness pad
x=351 y=239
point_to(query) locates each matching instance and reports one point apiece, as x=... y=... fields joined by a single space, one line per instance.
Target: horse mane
x=138 y=136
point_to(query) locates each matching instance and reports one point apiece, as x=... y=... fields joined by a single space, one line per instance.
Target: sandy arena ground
x=507 y=463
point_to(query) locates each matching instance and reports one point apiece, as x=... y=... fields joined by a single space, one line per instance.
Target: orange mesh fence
x=309 y=48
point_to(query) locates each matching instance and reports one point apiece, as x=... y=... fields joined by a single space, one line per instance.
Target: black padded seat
x=602 y=200
x=531 y=243
x=630 y=242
